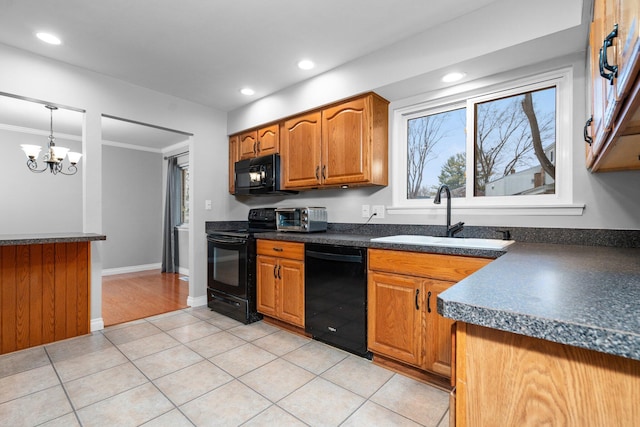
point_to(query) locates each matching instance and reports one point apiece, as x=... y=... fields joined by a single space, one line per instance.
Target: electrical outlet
x=365 y=211
x=378 y=211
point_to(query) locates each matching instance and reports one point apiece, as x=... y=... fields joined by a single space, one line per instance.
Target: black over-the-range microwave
x=259 y=176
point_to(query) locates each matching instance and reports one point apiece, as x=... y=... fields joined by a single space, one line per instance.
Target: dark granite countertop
x=585 y=296
x=34 y=239
x=364 y=240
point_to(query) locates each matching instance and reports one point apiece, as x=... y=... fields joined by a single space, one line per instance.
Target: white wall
x=132 y=208
x=37 y=202
x=36 y=77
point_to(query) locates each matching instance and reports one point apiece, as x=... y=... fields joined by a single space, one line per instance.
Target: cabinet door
x=598 y=84
x=233 y=158
x=438 y=339
x=300 y=151
x=394 y=306
x=248 y=145
x=346 y=135
x=291 y=291
x=611 y=101
x=628 y=45
x=266 y=268
x=267 y=140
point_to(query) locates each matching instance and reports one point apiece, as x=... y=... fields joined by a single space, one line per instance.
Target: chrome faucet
x=451 y=229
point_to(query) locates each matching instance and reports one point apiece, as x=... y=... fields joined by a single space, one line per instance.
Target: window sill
x=507 y=210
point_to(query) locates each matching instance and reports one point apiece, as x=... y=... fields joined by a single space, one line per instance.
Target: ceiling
x=206 y=51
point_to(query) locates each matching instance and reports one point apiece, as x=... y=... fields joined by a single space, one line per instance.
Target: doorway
x=133 y=191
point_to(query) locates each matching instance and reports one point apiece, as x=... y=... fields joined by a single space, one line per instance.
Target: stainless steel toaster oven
x=304 y=220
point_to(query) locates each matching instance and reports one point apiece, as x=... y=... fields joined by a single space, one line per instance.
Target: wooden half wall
x=44 y=293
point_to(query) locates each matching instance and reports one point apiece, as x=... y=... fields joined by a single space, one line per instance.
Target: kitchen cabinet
x=615 y=60
x=301 y=151
x=259 y=142
x=280 y=280
x=403 y=322
x=234 y=156
x=547 y=383
x=345 y=144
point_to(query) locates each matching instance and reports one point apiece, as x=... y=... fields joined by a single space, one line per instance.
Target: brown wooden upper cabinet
x=342 y=144
x=260 y=142
x=615 y=61
x=234 y=156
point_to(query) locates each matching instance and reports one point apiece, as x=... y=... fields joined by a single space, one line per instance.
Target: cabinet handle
x=604 y=63
x=254 y=148
x=429 y=302
x=324 y=170
x=275 y=268
x=258 y=147
x=317 y=173
x=277 y=249
x=279 y=267
x=417 y=293
x=587 y=138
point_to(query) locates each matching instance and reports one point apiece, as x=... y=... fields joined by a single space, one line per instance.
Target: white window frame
x=560 y=203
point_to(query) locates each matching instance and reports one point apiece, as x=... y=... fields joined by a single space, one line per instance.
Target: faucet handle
x=455 y=228
x=506 y=234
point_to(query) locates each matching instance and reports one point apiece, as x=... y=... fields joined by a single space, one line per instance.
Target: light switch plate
x=365 y=211
x=207 y=205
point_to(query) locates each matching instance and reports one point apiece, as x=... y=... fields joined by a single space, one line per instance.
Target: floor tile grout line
x=64 y=388
x=175 y=406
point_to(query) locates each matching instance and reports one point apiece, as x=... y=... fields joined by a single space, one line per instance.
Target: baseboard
x=131 y=269
x=97 y=324
x=183 y=270
x=197 y=301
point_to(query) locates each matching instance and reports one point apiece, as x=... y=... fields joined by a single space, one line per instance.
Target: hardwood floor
x=132 y=296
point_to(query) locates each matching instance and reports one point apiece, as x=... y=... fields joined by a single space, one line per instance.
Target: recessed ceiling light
x=306 y=64
x=453 y=77
x=247 y=91
x=49 y=38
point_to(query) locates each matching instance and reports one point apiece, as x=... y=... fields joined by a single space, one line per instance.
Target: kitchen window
x=506 y=147
x=184 y=194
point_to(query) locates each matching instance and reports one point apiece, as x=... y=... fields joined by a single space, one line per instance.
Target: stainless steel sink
x=453 y=242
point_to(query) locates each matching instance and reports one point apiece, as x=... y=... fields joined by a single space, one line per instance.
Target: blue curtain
x=171 y=217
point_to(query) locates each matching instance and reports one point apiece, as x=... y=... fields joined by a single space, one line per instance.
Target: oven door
x=227 y=264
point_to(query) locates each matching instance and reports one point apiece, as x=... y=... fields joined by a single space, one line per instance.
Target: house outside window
x=504 y=147
x=184 y=196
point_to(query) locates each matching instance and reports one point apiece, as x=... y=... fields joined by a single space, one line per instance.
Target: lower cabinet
x=280 y=280
x=403 y=322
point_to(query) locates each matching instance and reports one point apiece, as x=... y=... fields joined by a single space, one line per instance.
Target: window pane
x=515 y=145
x=184 y=205
x=436 y=154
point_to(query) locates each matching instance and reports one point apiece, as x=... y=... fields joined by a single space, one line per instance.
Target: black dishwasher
x=336 y=296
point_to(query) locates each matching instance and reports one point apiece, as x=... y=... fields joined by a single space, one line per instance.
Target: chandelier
x=53 y=157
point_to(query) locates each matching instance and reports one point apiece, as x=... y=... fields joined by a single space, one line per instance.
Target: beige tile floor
x=196 y=367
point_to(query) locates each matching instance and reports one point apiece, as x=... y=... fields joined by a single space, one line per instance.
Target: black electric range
x=231 y=267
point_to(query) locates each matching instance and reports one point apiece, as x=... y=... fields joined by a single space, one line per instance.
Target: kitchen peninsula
x=44 y=288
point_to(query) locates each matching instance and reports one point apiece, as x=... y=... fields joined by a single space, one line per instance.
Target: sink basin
x=452 y=242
